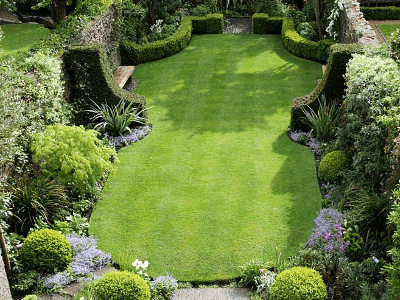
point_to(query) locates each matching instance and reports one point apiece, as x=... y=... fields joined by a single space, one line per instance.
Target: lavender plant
x=86 y=260
x=306 y=139
x=327 y=234
x=134 y=136
x=163 y=288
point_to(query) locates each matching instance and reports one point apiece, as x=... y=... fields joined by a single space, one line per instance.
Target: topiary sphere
x=124 y=285
x=298 y=283
x=332 y=164
x=46 y=251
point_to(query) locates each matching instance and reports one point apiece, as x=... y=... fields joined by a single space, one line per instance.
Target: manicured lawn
x=20 y=37
x=217 y=182
x=387 y=29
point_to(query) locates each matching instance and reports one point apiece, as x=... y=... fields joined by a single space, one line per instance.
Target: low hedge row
x=332 y=84
x=90 y=79
x=381 y=13
x=211 y=24
x=264 y=24
x=299 y=46
x=133 y=54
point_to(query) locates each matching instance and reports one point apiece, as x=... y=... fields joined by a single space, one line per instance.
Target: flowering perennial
x=164 y=287
x=327 y=234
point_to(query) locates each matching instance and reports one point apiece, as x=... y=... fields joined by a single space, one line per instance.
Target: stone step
x=213 y=294
x=122 y=74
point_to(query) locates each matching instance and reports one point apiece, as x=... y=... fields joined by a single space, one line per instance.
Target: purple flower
x=163 y=287
x=327 y=236
x=134 y=136
x=341 y=248
x=56 y=281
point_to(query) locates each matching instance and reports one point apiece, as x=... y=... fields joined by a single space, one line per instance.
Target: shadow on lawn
x=234 y=89
x=298 y=178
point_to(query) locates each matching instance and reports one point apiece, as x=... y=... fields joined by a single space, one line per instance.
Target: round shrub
x=332 y=164
x=124 y=285
x=46 y=251
x=298 y=283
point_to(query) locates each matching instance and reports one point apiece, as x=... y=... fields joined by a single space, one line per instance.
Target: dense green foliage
x=332 y=164
x=46 y=251
x=332 y=84
x=210 y=24
x=393 y=269
x=262 y=24
x=35 y=198
x=123 y=285
x=298 y=283
x=370 y=118
x=133 y=53
x=381 y=13
x=73 y=155
x=299 y=46
x=99 y=86
x=208 y=174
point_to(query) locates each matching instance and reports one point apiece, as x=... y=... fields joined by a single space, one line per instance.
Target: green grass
x=20 y=37
x=387 y=29
x=217 y=182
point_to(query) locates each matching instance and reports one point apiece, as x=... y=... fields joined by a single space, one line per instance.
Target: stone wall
x=5 y=293
x=100 y=31
x=354 y=27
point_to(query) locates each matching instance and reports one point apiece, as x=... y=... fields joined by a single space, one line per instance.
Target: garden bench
x=122 y=74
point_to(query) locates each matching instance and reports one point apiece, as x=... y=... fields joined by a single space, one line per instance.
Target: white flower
x=145 y=265
x=82 y=298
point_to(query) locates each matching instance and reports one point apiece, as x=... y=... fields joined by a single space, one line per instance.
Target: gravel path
x=213 y=294
x=237 y=25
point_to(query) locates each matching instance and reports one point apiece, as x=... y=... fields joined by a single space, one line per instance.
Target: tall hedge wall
x=299 y=46
x=332 y=84
x=133 y=54
x=381 y=13
x=90 y=79
x=264 y=24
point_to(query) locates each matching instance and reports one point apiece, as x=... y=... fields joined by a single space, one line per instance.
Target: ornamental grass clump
x=298 y=283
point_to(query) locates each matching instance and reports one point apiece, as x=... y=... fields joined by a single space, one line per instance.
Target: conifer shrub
x=123 y=285
x=298 y=283
x=46 y=251
x=332 y=165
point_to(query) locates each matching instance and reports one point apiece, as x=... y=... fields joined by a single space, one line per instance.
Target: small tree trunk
x=5 y=255
x=318 y=18
x=60 y=10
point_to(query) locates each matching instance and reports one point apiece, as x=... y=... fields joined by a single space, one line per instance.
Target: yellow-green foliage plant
x=46 y=251
x=332 y=164
x=298 y=283
x=73 y=155
x=123 y=285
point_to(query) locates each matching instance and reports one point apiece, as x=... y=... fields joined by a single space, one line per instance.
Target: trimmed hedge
x=381 y=13
x=211 y=24
x=299 y=46
x=90 y=79
x=132 y=53
x=332 y=84
x=263 y=24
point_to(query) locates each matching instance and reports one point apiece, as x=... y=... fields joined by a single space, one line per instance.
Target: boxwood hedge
x=264 y=24
x=381 y=13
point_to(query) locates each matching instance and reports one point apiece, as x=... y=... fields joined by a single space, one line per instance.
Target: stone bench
x=122 y=74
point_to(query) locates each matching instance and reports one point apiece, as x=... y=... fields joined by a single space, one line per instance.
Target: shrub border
x=133 y=54
x=381 y=13
x=264 y=24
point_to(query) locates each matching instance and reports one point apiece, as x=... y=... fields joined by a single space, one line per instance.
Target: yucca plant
x=117 y=119
x=322 y=122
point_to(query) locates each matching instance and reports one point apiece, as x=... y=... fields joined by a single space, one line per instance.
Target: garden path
x=4 y=288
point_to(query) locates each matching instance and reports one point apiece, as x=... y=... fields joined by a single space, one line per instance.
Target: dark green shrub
x=91 y=79
x=132 y=53
x=308 y=30
x=298 y=283
x=124 y=285
x=332 y=165
x=34 y=197
x=263 y=24
x=299 y=46
x=332 y=84
x=46 y=251
x=210 y=24
x=381 y=13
